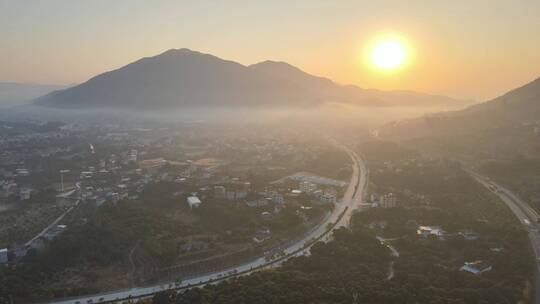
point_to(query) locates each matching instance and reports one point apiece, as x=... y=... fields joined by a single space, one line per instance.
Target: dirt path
x=131 y=274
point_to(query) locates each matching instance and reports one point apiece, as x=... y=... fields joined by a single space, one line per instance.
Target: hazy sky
x=463 y=48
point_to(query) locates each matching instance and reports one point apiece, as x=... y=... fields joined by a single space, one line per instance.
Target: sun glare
x=388 y=55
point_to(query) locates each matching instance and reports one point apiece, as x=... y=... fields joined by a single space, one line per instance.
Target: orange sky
x=468 y=50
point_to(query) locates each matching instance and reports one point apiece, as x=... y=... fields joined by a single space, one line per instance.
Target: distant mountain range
x=517 y=107
x=12 y=94
x=184 y=78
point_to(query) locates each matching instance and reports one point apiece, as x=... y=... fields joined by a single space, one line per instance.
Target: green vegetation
x=355 y=266
x=331 y=163
x=93 y=254
x=353 y=263
x=520 y=174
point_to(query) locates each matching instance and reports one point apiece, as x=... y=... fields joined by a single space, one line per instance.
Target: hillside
x=517 y=107
x=185 y=78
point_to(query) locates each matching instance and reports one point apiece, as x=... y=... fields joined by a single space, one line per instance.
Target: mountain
x=518 y=107
x=185 y=78
x=12 y=94
x=352 y=94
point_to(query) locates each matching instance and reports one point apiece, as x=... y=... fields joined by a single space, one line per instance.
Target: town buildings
x=476 y=267
x=3 y=256
x=388 y=200
x=193 y=202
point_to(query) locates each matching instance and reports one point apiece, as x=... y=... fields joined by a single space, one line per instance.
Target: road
x=56 y=221
x=393 y=252
x=526 y=215
x=340 y=217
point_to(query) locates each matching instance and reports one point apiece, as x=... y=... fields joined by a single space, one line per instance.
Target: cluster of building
x=103 y=185
x=262 y=236
x=388 y=200
x=136 y=159
x=233 y=191
x=328 y=195
x=437 y=232
x=315 y=179
x=38 y=243
x=9 y=188
x=49 y=235
x=279 y=195
x=431 y=231
x=15 y=148
x=476 y=267
x=125 y=177
x=272 y=199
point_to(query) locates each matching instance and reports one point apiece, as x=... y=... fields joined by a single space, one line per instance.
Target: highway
x=526 y=215
x=340 y=217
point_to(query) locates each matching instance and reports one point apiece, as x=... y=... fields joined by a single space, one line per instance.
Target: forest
x=356 y=267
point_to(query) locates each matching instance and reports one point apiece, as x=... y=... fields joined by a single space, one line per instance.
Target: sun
x=388 y=55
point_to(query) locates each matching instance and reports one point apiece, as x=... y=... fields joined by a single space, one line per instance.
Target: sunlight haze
x=457 y=44
x=269 y=152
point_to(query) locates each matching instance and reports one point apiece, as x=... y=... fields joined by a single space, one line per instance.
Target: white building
x=328 y=198
x=132 y=156
x=193 y=202
x=261 y=202
x=241 y=194
x=388 y=201
x=364 y=206
x=296 y=192
x=52 y=233
x=86 y=174
x=38 y=243
x=22 y=172
x=230 y=195
x=7 y=188
x=384 y=201
x=319 y=180
x=114 y=197
x=307 y=187
x=219 y=192
x=426 y=231
x=277 y=198
x=476 y=267
x=3 y=256
x=469 y=235
x=25 y=194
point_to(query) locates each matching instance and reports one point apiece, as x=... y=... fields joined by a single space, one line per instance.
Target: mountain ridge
x=180 y=78
x=518 y=106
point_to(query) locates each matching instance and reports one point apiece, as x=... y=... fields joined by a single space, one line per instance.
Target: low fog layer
x=338 y=114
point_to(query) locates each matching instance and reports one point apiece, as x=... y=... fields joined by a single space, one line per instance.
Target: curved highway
x=526 y=215
x=340 y=217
